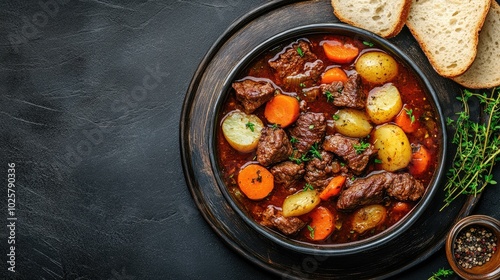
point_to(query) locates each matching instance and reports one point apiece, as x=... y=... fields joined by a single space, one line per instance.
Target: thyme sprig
x=441 y=273
x=478 y=147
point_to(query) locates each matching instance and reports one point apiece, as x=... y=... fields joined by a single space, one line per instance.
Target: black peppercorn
x=474 y=246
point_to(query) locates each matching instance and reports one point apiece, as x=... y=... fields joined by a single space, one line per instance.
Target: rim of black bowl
x=344 y=248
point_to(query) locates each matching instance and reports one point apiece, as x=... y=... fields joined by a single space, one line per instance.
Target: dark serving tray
x=423 y=238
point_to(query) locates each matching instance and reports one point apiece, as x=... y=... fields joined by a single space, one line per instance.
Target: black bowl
x=345 y=248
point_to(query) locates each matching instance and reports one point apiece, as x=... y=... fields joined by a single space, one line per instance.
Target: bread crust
x=424 y=41
x=485 y=70
x=392 y=31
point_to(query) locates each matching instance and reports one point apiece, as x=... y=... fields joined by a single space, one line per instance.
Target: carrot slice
x=401 y=207
x=321 y=225
x=406 y=120
x=255 y=181
x=420 y=160
x=334 y=75
x=282 y=110
x=339 y=52
x=333 y=188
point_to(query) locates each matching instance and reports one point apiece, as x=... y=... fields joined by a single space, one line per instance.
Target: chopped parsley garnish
x=300 y=160
x=275 y=126
x=314 y=151
x=300 y=52
x=308 y=187
x=329 y=96
x=302 y=85
x=294 y=140
x=336 y=117
x=311 y=231
x=361 y=147
x=409 y=112
x=250 y=126
x=311 y=126
x=369 y=44
x=377 y=160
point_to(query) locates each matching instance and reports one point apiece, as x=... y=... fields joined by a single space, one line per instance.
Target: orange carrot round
x=282 y=110
x=333 y=188
x=335 y=74
x=401 y=207
x=340 y=53
x=406 y=120
x=321 y=225
x=420 y=160
x=255 y=181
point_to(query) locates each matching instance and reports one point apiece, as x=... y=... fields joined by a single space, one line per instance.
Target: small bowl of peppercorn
x=472 y=247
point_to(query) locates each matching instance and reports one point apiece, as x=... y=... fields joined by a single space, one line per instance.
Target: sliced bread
x=385 y=18
x=485 y=70
x=448 y=31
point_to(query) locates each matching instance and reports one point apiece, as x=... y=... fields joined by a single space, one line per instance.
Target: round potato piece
x=242 y=131
x=394 y=150
x=383 y=103
x=352 y=123
x=368 y=217
x=376 y=67
x=300 y=203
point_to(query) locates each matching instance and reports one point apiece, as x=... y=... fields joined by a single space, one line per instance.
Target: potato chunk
x=383 y=103
x=352 y=123
x=376 y=67
x=242 y=131
x=368 y=217
x=394 y=150
x=300 y=203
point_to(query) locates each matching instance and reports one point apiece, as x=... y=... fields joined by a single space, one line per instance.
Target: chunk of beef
x=287 y=173
x=297 y=62
x=273 y=217
x=364 y=191
x=346 y=95
x=318 y=171
x=314 y=69
x=273 y=146
x=369 y=190
x=252 y=94
x=308 y=129
x=344 y=147
x=405 y=187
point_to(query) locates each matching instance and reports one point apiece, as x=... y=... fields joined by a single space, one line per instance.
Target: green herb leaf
x=329 y=96
x=441 y=273
x=250 y=126
x=308 y=187
x=311 y=231
x=361 y=147
x=477 y=144
x=300 y=52
x=369 y=44
x=315 y=151
x=300 y=160
x=409 y=112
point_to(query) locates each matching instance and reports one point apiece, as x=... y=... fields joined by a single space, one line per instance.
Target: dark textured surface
x=90 y=100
